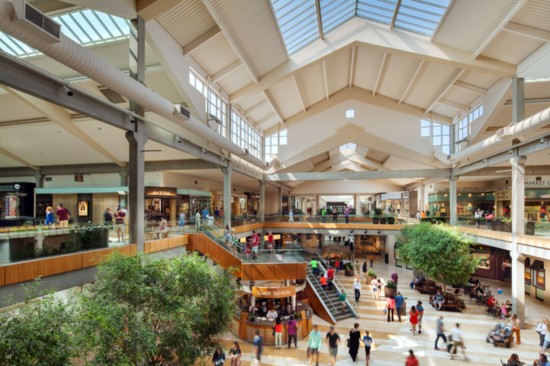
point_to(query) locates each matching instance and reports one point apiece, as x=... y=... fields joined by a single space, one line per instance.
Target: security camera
x=68 y=91
x=178 y=139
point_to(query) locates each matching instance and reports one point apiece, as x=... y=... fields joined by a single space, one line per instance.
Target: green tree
x=154 y=312
x=441 y=252
x=37 y=333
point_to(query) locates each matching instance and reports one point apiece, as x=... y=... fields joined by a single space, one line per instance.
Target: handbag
x=385 y=311
x=348 y=342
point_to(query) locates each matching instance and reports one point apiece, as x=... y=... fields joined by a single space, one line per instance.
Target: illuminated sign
x=273 y=292
x=160 y=191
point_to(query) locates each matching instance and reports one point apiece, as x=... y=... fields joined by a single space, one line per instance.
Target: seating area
x=452 y=302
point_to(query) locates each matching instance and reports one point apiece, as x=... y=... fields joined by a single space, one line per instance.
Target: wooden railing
x=203 y=244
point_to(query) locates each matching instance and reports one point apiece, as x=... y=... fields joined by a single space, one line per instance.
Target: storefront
x=16 y=203
x=467 y=203
x=190 y=200
x=492 y=263
x=160 y=203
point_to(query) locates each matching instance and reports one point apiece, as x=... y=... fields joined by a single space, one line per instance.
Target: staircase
x=330 y=298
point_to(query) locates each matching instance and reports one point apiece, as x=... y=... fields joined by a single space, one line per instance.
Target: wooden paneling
x=164 y=244
x=320 y=225
x=273 y=271
x=26 y=271
x=202 y=244
x=316 y=304
x=249 y=227
x=2 y=275
x=94 y=257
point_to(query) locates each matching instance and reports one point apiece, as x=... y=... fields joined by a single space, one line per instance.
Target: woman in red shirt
x=270 y=242
x=411 y=360
x=413 y=314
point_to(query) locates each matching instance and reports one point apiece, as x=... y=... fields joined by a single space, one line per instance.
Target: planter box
x=390 y=292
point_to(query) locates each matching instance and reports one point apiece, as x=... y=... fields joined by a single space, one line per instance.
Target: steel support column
x=262 y=201
x=517 y=213
x=452 y=201
x=136 y=179
x=227 y=195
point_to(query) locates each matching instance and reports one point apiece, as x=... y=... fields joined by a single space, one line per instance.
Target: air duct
x=80 y=59
x=537 y=120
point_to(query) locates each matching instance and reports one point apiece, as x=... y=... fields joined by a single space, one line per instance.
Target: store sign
x=529 y=182
x=503 y=195
x=160 y=191
x=273 y=292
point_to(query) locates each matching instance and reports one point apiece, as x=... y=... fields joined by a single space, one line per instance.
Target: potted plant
x=376 y=219
x=390 y=289
x=390 y=220
x=370 y=275
x=348 y=269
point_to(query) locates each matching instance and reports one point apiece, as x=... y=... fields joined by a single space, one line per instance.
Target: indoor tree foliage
x=142 y=311
x=439 y=251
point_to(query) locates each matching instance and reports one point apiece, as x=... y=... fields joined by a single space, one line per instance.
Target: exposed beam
x=62 y=118
x=265 y=119
x=20 y=160
x=237 y=64
x=362 y=33
x=454 y=105
x=388 y=174
x=194 y=44
x=325 y=79
x=529 y=170
x=352 y=66
x=470 y=87
x=319 y=19
x=412 y=81
x=446 y=89
x=255 y=107
x=149 y=9
x=487 y=40
x=380 y=73
x=394 y=16
x=269 y=98
x=299 y=93
x=492 y=105
x=527 y=31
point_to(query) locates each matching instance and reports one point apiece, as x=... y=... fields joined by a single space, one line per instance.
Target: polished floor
x=393 y=340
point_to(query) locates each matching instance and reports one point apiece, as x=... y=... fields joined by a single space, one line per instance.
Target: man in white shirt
x=357 y=289
x=458 y=341
x=272 y=314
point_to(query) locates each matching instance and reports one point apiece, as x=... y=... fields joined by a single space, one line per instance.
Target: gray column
x=39 y=178
x=421 y=198
x=452 y=201
x=123 y=176
x=227 y=196
x=517 y=214
x=261 y=210
x=280 y=199
x=137 y=57
x=136 y=195
x=518 y=99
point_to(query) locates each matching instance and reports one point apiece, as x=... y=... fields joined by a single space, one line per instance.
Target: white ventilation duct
x=80 y=59
x=537 y=120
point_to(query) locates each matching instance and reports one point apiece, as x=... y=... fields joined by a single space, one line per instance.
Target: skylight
x=86 y=27
x=299 y=24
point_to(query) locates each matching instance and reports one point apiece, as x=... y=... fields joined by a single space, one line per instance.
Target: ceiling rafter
x=487 y=40
x=12 y=156
x=412 y=81
x=454 y=105
x=527 y=31
x=470 y=87
x=352 y=65
x=380 y=72
x=298 y=91
x=445 y=90
x=394 y=16
x=200 y=40
x=267 y=95
x=235 y=65
x=325 y=79
x=265 y=119
x=319 y=19
x=255 y=107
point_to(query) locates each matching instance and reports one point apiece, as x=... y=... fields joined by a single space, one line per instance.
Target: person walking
x=346 y=214
x=440 y=331
x=541 y=331
x=120 y=223
x=390 y=308
x=314 y=266
x=63 y=216
x=374 y=288
x=357 y=289
x=291 y=330
x=399 y=301
x=291 y=215
x=365 y=268
x=354 y=338
x=458 y=341
x=333 y=339
x=181 y=222
x=411 y=360
x=218 y=358
x=367 y=342
x=420 y=310
x=330 y=275
x=314 y=345
x=337 y=266
x=515 y=322
x=108 y=217
x=278 y=329
x=50 y=220
x=235 y=353
x=413 y=317
x=197 y=220
x=257 y=344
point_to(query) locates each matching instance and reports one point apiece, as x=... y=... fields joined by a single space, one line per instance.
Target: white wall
x=92 y=180
x=345 y=187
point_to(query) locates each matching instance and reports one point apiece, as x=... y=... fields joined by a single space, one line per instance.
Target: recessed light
x=350 y=113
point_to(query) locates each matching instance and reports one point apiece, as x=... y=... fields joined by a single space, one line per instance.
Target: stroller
x=501 y=335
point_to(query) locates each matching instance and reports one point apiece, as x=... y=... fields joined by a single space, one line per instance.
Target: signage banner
x=273 y=292
x=161 y=191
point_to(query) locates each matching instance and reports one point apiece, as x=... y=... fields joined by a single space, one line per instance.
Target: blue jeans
x=440 y=335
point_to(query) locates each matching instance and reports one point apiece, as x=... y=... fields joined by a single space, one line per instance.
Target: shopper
x=413 y=317
x=541 y=361
x=278 y=329
x=291 y=329
x=399 y=302
x=354 y=338
x=374 y=288
x=120 y=223
x=514 y=360
x=50 y=220
x=314 y=345
x=420 y=310
x=197 y=220
x=411 y=360
x=291 y=215
x=367 y=342
x=458 y=341
x=255 y=244
x=235 y=354
x=62 y=216
x=107 y=216
x=218 y=358
x=258 y=346
x=181 y=222
x=357 y=289
x=314 y=265
x=541 y=330
x=330 y=276
x=342 y=299
x=440 y=331
x=333 y=339
x=546 y=343
x=515 y=322
x=270 y=242
x=390 y=308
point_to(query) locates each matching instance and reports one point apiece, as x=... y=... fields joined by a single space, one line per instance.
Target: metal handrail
x=314 y=279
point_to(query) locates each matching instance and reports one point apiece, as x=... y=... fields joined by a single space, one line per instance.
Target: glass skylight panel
x=297 y=21
x=335 y=13
x=421 y=16
x=377 y=10
x=14 y=47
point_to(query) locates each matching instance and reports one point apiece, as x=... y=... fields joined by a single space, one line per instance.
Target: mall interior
x=325 y=122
